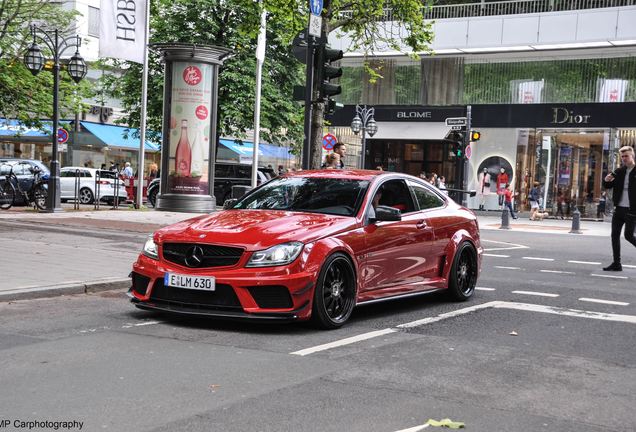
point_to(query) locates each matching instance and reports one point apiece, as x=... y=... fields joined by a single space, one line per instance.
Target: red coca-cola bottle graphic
x=184 y=154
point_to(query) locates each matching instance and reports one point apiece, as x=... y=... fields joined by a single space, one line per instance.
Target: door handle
x=421 y=224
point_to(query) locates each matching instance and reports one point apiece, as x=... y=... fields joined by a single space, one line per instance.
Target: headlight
x=276 y=255
x=150 y=248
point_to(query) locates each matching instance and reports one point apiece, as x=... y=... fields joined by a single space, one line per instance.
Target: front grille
x=222 y=298
x=271 y=296
x=140 y=283
x=213 y=255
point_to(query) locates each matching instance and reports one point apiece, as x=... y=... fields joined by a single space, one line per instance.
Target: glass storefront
x=568 y=164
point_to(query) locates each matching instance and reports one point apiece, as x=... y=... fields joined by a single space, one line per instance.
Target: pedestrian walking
x=153 y=171
x=623 y=184
x=332 y=161
x=441 y=184
x=502 y=182
x=507 y=194
x=600 y=208
x=341 y=150
x=560 y=204
x=127 y=171
x=534 y=197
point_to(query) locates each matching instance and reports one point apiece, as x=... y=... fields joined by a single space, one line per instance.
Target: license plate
x=204 y=283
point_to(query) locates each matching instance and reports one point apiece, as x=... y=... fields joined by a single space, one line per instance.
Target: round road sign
x=468 y=151
x=329 y=141
x=62 y=135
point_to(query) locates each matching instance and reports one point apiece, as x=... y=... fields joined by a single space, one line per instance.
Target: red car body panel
x=389 y=259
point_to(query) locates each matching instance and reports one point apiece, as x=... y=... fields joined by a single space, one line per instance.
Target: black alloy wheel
x=335 y=293
x=463 y=273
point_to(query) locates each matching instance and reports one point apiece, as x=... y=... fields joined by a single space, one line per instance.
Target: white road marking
x=343 y=342
x=609 y=302
x=609 y=276
x=556 y=271
x=585 y=262
x=508 y=268
x=415 y=428
x=538 y=259
x=485 y=289
x=630 y=319
x=497 y=256
x=536 y=293
x=629 y=266
x=510 y=245
x=128 y=325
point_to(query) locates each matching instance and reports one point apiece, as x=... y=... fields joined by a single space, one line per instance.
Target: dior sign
x=564 y=116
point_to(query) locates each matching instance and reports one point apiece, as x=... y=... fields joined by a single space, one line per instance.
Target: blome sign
x=190 y=128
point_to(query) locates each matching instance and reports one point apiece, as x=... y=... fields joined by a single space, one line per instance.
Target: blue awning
x=10 y=127
x=113 y=136
x=264 y=150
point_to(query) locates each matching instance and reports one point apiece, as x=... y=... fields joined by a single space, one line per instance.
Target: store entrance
x=569 y=165
x=412 y=157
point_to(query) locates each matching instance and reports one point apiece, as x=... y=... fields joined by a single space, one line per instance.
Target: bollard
x=76 y=203
x=576 y=222
x=505 y=218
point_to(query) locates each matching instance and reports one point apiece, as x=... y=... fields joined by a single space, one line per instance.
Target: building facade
x=553 y=93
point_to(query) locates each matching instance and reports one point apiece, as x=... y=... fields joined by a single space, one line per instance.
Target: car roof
x=353 y=174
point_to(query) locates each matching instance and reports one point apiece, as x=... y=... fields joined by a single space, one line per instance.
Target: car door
x=395 y=253
x=67 y=183
x=432 y=207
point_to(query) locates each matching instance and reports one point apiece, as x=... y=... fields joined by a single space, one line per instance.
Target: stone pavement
x=90 y=250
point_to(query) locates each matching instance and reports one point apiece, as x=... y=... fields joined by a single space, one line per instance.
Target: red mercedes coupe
x=311 y=246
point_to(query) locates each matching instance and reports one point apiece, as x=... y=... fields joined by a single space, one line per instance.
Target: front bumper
x=282 y=293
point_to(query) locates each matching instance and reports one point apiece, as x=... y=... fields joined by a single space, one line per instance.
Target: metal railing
x=517 y=7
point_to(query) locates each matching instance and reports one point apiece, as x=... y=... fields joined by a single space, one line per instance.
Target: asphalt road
x=546 y=344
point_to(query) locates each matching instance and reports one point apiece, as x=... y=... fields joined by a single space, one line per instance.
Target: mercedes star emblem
x=194 y=256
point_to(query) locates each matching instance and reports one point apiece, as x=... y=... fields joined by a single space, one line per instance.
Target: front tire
x=39 y=196
x=335 y=293
x=463 y=273
x=152 y=197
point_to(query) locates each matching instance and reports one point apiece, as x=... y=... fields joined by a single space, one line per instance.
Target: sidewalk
x=91 y=251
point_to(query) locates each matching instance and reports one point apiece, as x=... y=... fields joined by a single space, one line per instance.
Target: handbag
x=487 y=184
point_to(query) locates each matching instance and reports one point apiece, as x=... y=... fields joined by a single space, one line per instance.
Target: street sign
x=315 y=6
x=469 y=151
x=457 y=127
x=62 y=135
x=329 y=141
x=315 y=25
x=456 y=121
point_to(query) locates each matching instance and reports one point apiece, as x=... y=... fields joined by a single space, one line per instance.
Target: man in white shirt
x=623 y=182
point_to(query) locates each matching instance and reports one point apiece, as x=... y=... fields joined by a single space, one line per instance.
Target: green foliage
x=22 y=95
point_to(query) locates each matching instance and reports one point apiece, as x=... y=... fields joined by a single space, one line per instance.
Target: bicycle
x=34 y=195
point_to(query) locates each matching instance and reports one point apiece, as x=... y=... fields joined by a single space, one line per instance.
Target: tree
x=218 y=23
x=23 y=96
x=234 y=24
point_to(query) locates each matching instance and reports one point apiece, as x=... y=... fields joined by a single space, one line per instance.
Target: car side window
x=222 y=171
x=85 y=173
x=67 y=174
x=4 y=169
x=427 y=199
x=396 y=194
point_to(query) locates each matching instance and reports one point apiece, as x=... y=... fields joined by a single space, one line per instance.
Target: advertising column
x=189 y=127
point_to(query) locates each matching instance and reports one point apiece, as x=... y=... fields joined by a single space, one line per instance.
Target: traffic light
x=456 y=142
x=327 y=72
x=332 y=106
x=475 y=135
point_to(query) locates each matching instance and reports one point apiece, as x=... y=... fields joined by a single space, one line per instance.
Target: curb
x=65 y=289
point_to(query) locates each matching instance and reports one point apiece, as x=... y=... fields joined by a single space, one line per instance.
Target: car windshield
x=307 y=194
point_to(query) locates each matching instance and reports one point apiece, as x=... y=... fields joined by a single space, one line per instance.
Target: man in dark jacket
x=623 y=182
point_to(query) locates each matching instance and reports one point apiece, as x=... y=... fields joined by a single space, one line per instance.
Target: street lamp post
x=34 y=61
x=364 y=121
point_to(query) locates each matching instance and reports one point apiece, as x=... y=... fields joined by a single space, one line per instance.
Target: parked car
x=312 y=245
x=87 y=185
x=226 y=175
x=22 y=168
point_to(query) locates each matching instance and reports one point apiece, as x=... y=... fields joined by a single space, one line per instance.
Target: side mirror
x=229 y=203
x=386 y=213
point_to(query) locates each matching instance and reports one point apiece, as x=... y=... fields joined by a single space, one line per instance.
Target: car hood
x=255 y=229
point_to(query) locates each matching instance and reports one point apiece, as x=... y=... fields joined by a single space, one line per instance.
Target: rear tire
x=335 y=293
x=86 y=196
x=152 y=197
x=463 y=273
x=7 y=195
x=39 y=196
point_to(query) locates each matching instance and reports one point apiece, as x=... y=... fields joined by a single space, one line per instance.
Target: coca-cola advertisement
x=190 y=128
